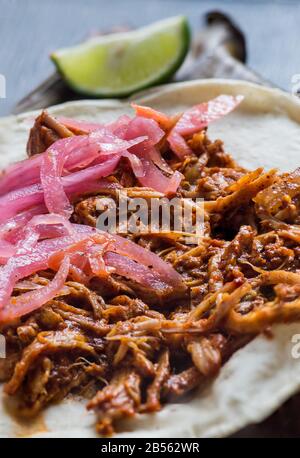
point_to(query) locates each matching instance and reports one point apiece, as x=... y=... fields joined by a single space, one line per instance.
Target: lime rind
x=117 y=65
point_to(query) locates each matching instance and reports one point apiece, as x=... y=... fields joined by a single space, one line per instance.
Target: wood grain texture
x=31 y=29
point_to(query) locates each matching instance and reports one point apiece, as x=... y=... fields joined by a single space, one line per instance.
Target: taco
x=157 y=332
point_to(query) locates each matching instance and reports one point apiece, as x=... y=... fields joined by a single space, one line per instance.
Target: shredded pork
x=126 y=349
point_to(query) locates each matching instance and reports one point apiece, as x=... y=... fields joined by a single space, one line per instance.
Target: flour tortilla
x=263 y=131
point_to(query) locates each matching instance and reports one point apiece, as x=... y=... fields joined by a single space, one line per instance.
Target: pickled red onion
x=55 y=197
x=32 y=300
x=79 y=127
x=163 y=120
x=198 y=117
x=83 y=181
x=79 y=153
x=139 y=273
x=152 y=176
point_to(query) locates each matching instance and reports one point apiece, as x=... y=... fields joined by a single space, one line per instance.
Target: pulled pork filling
x=129 y=349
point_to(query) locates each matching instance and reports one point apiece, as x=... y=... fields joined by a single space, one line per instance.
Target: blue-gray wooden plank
x=31 y=29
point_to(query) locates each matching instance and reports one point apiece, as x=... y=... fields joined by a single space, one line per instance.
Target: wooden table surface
x=31 y=29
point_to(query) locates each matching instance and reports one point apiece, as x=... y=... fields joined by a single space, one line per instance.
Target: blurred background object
x=217 y=50
x=30 y=30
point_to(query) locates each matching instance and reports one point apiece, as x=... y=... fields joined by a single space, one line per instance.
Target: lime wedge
x=119 y=64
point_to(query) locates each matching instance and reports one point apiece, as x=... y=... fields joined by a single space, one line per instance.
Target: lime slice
x=119 y=64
